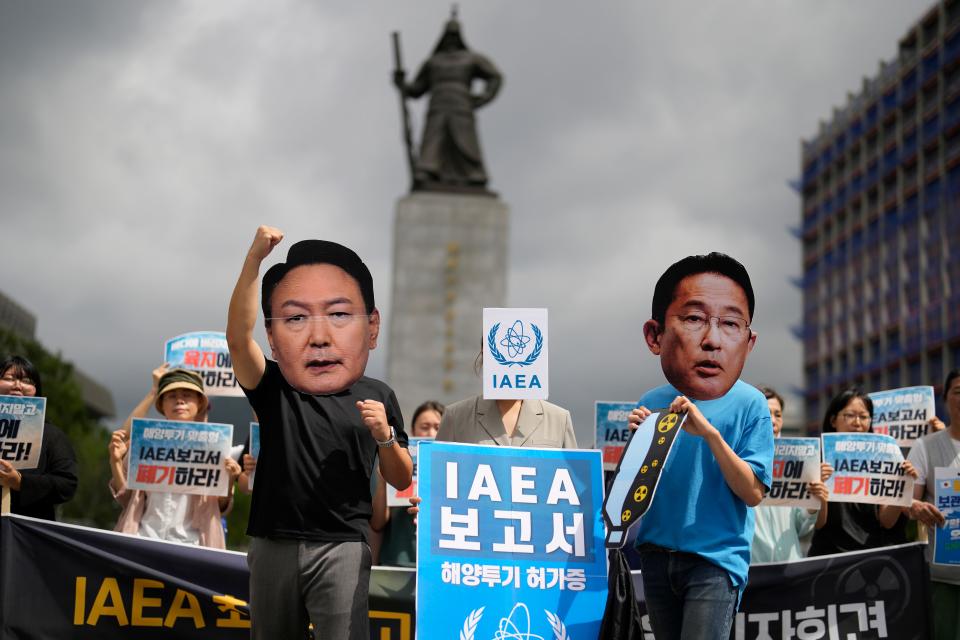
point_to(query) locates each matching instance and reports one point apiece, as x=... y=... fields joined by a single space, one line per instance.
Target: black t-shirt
x=53 y=482
x=853 y=526
x=316 y=457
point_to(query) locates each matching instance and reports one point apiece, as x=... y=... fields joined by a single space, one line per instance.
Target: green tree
x=237 y=539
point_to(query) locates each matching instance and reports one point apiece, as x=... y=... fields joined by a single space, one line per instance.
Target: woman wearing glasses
x=853 y=526
x=37 y=492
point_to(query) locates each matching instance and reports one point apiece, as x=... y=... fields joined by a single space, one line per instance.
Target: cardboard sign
x=21 y=430
x=903 y=413
x=509 y=543
x=206 y=353
x=796 y=463
x=179 y=457
x=867 y=467
x=611 y=423
x=635 y=481
x=515 y=354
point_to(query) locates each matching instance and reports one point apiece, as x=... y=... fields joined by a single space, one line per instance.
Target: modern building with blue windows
x=880 y=224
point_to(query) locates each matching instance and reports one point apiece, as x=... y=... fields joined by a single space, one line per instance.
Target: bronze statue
x=449 y=158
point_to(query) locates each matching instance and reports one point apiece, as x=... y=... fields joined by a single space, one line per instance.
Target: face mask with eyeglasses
x=299 y=321
x=731 y=327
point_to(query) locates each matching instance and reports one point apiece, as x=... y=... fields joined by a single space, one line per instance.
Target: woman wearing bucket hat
x=178 y=395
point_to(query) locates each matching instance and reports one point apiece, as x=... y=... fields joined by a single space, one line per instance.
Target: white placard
x=515 y=353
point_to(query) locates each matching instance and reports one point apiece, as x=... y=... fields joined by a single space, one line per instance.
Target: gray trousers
x=293 y=582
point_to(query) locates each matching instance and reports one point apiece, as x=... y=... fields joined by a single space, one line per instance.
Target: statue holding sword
x=449 y=157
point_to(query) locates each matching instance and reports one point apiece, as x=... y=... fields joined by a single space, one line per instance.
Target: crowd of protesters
x=310 y=521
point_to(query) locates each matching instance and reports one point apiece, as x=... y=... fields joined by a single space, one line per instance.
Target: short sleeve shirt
x=918 y=457
x=316 y=458
x=694 y=509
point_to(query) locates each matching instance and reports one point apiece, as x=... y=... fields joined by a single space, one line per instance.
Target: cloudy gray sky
x=141 y=143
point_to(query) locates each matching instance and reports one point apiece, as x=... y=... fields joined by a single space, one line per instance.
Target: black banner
x=865 y=595
x=63 y=581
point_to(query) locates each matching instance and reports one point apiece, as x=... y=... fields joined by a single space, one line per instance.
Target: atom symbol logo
x=515 y=341
x=519 y=629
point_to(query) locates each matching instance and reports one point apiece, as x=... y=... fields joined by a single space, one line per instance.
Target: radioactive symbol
x=667 y=422
x=626 y=515
x=661 y=440
x=643 y=469
x=655 y=464
x=640 y=493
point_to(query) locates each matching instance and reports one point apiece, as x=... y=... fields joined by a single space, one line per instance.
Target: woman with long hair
x=853 y=526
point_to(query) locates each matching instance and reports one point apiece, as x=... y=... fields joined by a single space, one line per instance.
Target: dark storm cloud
x=141 y=145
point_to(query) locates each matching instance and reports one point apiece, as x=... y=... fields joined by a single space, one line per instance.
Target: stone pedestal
x=449 y=262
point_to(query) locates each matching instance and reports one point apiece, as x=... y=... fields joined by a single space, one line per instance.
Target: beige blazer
x=477 y=421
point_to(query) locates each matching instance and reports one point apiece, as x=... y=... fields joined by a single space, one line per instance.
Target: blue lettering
x=519 y=381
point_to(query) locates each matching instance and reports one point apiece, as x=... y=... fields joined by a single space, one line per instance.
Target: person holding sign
x=322 y=425
x=507 y=421
x=939 y=450
x=694 y=541
x=778 y=529
x=178 y=395
x=504 y=422
x=853 y=526
x=36 y=492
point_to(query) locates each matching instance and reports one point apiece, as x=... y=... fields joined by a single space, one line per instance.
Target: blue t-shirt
x=694 y=509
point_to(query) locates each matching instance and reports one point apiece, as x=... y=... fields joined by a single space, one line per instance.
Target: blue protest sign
x=903 y=413
x=206 y=353
x=946 y=548
x=867 y=467
x=179 y=457
x=21 y=430
x=796 y=463
x=509 y=543
x=612 y=430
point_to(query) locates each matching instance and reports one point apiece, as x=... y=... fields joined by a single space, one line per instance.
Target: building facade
x=880 y=224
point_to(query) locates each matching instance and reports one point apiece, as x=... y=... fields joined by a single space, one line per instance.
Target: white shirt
x=918 y=458
x=165 y=518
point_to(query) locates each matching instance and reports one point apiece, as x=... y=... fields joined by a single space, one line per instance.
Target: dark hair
x=24 y=367
x=840 y=401
x=769 y=392
x=429 y=405
x=318 y=252
x=953 y=375
x=719 y=263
